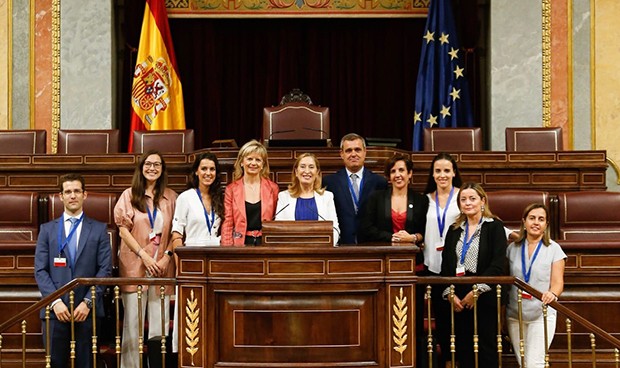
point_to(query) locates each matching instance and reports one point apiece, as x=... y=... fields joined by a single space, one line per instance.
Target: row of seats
x=470 y=139
x=575 y=216
x=108 y=141
x=95 y=141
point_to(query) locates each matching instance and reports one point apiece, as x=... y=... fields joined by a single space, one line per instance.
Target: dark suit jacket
x=348 y=220
x=376 y=221
x=491 y=254
x=93 y=259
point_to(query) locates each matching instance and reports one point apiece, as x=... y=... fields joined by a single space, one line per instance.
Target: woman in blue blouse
x=305 y=199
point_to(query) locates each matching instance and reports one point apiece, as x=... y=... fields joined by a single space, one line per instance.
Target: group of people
x=451 y=222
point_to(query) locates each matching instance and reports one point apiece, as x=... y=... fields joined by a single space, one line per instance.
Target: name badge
x=156 y=240
x=152 y=235
x=460 y=271
x=60 y=262
x=439 y=247
x=526 y=295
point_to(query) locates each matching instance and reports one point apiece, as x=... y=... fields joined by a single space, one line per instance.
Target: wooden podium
x=298 y=233
x=297 y=306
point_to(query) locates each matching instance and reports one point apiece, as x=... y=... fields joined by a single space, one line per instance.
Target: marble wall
x=21 y=65
x=86 y=64
x=86 y=60
x=606 y=78
x=4 y=62
x=515 y=67
x=582 y=122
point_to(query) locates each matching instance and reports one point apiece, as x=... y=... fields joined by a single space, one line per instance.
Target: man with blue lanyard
x=69 y=247
x=352 y=186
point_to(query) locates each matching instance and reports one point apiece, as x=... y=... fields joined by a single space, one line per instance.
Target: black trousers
x=60 y=339
x=464 y=331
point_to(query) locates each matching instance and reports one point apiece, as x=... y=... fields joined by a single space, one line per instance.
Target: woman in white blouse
x=305 y=199
x=199 y=212
x=442 y=191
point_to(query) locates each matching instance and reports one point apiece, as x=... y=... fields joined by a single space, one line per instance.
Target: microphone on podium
x=280 y=210
x=280 y=132
x=323 y=133
x=324 y=219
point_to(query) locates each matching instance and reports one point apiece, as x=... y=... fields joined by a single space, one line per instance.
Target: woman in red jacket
x=250 y=199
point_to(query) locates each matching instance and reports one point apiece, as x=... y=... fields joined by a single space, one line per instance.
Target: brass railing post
x=593 y=346
x=93 y=316
x=476 y=338
x=117 y=339
x=452 y=332
x=500 y=350
x=569 y=337
x=24 y=325
x=140 y=324
x=521 y=333
x=48 y=354
x=429 y=337
x=162 y=298
x=546 y=334
x=617 y=356
x=72 y=343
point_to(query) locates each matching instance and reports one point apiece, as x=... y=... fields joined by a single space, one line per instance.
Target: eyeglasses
x=155 y=165
x=75 y=191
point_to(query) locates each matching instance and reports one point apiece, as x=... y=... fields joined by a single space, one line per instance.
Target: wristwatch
x=89 y=303
x=168 y=253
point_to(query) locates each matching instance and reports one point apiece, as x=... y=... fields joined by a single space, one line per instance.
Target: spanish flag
x=156 y=93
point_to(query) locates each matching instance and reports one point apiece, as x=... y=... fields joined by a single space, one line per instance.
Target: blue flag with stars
x=442 y=93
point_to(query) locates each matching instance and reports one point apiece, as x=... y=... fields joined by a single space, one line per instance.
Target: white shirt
x=540 y=277
x=432 y=238
x=67 y=224
x=189 y=219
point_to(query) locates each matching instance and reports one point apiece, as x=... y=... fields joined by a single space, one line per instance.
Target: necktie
x=356 y=186
x=72 y=244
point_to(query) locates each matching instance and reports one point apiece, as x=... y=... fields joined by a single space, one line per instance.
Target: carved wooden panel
x=304 y=306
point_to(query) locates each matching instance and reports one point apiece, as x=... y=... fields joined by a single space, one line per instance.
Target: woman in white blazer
x=305 y=199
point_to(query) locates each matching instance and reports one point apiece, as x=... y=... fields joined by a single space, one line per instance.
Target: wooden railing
x=572 y=318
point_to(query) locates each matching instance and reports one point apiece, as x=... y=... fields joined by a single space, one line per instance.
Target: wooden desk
x=283 y=307
x=549 y=171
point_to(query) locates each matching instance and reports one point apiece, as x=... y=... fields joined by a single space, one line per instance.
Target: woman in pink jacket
x=250 y=199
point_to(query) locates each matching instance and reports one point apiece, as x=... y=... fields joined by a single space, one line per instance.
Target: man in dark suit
x=352 y=186
x=69 y=247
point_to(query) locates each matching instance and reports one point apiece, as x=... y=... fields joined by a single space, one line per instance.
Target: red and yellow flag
x=156 y=93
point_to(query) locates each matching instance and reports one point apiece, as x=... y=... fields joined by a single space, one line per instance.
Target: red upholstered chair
x=534 y=139
x=88 y=141
x=19 y=218
x=99 y=206
x=452 y=139
x=24 y=142
x=508 y=205
x=589 y=216
x=296 y=119
x=177 y=141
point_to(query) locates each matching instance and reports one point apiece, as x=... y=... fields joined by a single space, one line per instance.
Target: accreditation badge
x=60 y=262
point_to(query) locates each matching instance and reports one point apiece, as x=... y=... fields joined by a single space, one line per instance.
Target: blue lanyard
x=528 y=272
x=151 y=217
x=209 y=223
x=61 y=230
x=356 y=200
x=441 y=222
x=467 y=243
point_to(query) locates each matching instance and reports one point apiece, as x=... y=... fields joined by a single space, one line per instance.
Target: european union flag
x=442 y=94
